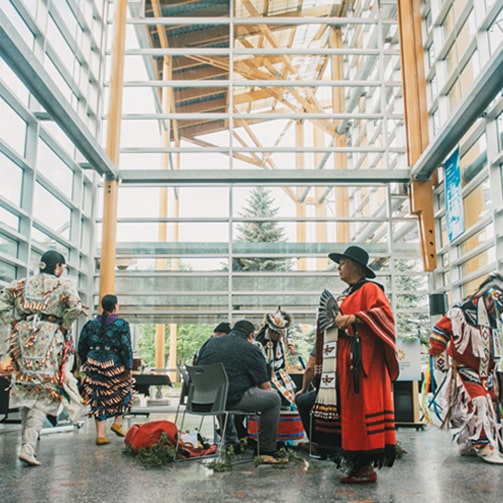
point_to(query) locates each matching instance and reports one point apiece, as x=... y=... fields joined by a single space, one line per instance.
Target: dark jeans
x=268 y=403
x=304 y=404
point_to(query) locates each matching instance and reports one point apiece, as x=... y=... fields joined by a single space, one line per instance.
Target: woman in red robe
x=362 y=370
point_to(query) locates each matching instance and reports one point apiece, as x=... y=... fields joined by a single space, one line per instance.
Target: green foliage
x=146 y=345
x=162 y=453
x=304 y=342
x=189 y=339
x=260 y=206
x=226 y=464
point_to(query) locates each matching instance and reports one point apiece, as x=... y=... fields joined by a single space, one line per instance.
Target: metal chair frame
x=184 y=392
x=207 y=396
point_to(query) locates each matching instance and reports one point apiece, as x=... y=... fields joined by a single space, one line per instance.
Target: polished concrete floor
x=74 y=469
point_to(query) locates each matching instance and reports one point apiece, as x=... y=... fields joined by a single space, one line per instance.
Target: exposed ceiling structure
x=219 y=68
x=247 y=34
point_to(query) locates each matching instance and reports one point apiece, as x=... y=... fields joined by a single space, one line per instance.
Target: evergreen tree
x=260 y=204
x=413 y=320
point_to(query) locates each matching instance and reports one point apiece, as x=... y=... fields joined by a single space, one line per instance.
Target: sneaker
x=490 y=455
x=102 y=441
x=117 y=429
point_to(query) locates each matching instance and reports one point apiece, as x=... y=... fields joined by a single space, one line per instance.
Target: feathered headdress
x=279 y=320
x=491 y=286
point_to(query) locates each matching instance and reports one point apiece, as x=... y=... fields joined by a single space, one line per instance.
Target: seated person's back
x=244 y=362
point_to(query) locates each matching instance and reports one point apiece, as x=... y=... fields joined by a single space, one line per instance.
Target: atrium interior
x=202 y=158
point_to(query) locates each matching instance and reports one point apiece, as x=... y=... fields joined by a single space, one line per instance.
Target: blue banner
x=453 y=197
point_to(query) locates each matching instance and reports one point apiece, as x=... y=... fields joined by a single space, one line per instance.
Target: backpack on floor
x=142 y=436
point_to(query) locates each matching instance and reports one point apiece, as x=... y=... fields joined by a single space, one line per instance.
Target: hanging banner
x=409 y=359
x=453 y=197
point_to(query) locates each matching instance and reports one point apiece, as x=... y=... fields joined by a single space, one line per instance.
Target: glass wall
x=255 y=139
x=46 y=199
x=462 y=38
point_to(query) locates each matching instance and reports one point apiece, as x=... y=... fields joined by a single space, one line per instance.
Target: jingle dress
x=107 y=359
x=40 y=310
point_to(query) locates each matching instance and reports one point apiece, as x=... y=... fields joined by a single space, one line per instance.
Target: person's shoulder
x=371 y=292
x=373 y=286
x=88 y=325
x=213 y=342
x=121 y=322
x=253 y=348
x=66 y=283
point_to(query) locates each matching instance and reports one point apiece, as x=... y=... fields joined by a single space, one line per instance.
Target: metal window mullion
x=242 y=21
x=67 y=36
x=223 y=83
x=453 y=78
x=26 y=17
x=256 y=51
x=491 y=16
x=46 y=135
x=451 y=39
x=15 y=209
x=255 y=116
x=495 y=174
x=439 y=12
x=224 y=149
x=54 y=191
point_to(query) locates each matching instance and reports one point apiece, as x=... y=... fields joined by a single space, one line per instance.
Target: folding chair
x=207 y=396
x=184 y=392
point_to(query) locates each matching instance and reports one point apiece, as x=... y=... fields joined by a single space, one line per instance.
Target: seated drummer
x=249 y=385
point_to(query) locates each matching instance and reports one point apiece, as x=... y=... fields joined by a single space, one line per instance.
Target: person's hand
x=300 y=392
x=345 y=320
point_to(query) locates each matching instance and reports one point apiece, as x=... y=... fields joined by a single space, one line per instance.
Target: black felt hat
x=356 y=254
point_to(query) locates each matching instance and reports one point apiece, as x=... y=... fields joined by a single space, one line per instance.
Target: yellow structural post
x=416 y=122
x=160 y=328
x=340 y=158
x=109 y=230
x=300 y=205
x=320 y=206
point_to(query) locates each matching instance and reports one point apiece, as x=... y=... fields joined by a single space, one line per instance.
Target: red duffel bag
x=141 y=436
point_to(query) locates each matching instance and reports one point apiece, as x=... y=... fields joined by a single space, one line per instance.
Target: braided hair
x=108 y=303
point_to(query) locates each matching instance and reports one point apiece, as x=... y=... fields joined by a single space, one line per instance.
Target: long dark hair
x=108 y=303
x=49 y=260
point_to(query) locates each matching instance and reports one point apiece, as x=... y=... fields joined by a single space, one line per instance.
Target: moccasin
x=102 y=441
x=360 y=479
x=29 y=459
x=117 y=429
x=490 y=455
x=274 y=457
